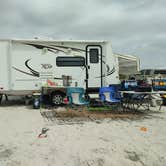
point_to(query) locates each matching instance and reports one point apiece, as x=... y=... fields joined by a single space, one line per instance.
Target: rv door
x=93 y=67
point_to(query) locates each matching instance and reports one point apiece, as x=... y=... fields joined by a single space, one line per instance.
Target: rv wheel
x=57 y=98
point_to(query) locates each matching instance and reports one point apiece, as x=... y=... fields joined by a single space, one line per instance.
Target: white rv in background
x=27 y=65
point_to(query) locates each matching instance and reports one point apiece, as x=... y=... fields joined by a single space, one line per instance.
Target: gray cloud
x=134 y=27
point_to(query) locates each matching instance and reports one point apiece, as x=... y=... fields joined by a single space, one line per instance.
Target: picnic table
x=134 y=100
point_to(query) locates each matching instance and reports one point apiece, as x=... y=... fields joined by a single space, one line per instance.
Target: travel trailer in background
x=150 y=74
x=128 y=65
x=28 y=65
x=153 y=73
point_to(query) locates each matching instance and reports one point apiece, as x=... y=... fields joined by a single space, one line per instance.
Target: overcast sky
x=136 y=27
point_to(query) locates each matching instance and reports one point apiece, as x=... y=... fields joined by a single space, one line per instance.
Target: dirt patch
x=91 y=114
x=80 y=117
x=91 y=162
x=133 y=156
x=6 y=153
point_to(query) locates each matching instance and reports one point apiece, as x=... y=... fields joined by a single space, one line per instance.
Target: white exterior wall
x=4 y=67
x=111 y=61
x=19 y=54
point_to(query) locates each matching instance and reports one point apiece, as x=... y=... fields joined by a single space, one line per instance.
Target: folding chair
x=110 y=96
x=135 y=101
x=75 y=96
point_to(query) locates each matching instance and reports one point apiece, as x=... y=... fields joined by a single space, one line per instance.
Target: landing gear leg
x=1 y=96
x=6 y=97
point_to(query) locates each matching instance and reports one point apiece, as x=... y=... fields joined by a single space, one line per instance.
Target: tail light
x=65 y=100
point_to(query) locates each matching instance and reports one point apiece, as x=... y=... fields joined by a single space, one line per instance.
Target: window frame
x=59 y=62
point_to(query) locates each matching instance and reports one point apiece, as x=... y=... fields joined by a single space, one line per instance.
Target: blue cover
x=130 y=84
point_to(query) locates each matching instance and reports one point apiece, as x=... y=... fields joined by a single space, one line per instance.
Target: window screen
x=94 y=55
x=70 y=61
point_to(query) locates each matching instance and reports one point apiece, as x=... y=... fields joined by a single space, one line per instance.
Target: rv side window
x=94 y=55
x=70 y=61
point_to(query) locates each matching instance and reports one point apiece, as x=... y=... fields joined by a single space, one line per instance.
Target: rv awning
x=128 y=64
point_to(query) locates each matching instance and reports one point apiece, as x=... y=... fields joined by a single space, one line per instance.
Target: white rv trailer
x=27 y=65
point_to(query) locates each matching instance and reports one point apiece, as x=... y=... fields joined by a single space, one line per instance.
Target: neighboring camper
x=150 y=74
x=154 y=73
x=28 y=65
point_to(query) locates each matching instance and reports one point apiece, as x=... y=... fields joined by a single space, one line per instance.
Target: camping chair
x=110 y=96
x=75 y=96
x=136 y=101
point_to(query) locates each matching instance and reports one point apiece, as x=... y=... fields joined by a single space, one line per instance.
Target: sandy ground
x=110 y=142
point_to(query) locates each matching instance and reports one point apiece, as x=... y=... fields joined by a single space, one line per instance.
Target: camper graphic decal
x=46 y=66
x=33 y=72
x=24 y=72
x=55 y=48
x=109 y=72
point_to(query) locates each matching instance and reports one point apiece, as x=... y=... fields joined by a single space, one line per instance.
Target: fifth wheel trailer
x=27 y=65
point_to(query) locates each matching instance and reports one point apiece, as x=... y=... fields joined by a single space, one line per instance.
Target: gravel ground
x=117 y=141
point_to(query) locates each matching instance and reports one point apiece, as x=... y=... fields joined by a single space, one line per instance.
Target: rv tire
x=57 y=98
